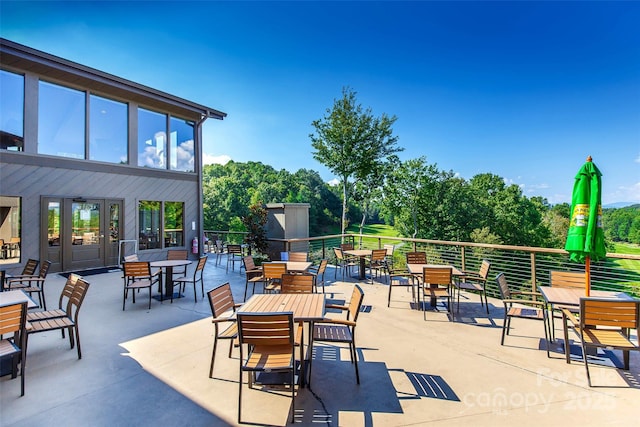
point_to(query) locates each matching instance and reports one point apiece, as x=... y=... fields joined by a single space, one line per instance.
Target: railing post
x=463 y=256
x=532 y=256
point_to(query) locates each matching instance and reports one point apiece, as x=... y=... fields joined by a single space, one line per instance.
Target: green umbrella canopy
x=586 y=236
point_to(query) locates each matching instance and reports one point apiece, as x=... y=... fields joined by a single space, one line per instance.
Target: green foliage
x=623 y=224
x=254 y=222
x=229 y=190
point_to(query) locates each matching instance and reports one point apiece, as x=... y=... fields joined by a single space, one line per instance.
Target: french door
x=79 y=234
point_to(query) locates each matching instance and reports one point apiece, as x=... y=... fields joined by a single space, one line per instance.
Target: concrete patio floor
x=145 y=367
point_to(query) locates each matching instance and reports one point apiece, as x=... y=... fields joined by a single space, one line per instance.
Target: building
x=93 y=165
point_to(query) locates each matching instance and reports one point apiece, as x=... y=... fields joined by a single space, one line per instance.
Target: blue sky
x=524 y=90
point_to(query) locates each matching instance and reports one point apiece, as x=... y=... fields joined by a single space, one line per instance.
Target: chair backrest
x=67 y=290
x=389 y=249
x=77 y=297
x=609 y=312
x=248 y=262
x=274 y=270
x=338 y=253
x=416 y=257
x=298 y=256
x=346 y=246
x=13 y=318
x=567 y=279
x=137 y=269
x=44 y=269
x=484 y=269
x=503 y=286
x=234 y=249
x=297 y=284
x=266 y=329
x=355 y=303
x=130 y=258
x=178 y=254
x=378 y=254
x=30 y=267
x=202 y=261
x=436 y=276
x=322 y=267
x=219 y=246
x=221 y=300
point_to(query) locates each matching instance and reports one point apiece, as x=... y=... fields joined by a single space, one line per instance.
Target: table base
x=176 y=295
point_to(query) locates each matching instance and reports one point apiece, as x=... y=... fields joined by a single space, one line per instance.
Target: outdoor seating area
x=397 y=369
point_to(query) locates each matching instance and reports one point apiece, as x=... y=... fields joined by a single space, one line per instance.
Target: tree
x=351 y=142
x=255 y=222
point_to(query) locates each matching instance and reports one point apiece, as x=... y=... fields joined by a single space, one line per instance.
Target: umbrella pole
x=587 y=268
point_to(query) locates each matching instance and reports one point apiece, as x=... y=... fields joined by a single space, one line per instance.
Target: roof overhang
x=26 y=59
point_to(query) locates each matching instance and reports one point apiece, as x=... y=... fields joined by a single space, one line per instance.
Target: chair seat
x=436 y=292
x=141 y=284
x=43 y=315
x=607 y=338
x=269 y=358
x=50 y=324
x=8 y=348
x=332 y=333
x=469 y=286
x=230 y=332
x=526 y=313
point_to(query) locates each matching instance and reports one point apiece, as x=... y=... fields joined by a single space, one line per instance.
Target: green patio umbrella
x=585 y=239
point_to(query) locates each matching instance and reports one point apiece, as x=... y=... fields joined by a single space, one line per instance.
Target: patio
x=150 y=367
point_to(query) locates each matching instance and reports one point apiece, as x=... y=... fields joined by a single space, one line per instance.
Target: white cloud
x=623 y=193
x=334 y=181
x=210 y=159
x=637 y=160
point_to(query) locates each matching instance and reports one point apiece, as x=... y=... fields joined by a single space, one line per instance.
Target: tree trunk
x=344 y=206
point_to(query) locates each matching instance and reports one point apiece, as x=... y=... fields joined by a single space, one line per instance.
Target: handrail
x=528 y=266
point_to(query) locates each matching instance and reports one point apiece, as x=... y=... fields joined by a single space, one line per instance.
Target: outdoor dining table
x=167 y=265
x=16 y=296
x=362 y=254
x=417 y=269
x=305 y=308
x=570 y=297
x=296 y=266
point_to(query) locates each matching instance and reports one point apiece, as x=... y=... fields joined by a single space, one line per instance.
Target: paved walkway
x=150 y=367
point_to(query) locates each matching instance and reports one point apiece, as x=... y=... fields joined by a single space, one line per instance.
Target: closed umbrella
x=585 y=239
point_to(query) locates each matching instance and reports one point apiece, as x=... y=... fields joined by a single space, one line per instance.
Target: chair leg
x=77 y=341
x=586 y=364
x=504 y=326
x=355 y=359
x=150 y=297
x=240 y=394
x=213 y=355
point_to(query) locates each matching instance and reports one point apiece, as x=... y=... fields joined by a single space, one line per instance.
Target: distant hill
x=620 y=205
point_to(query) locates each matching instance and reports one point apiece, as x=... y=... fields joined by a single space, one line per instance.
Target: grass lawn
x=374 y=230
x=631 y=249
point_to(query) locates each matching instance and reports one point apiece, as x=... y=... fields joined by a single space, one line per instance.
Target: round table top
x=170 y=262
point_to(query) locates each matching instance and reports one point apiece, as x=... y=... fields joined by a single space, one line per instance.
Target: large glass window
x=85 y=223
x=114 y=223
x=61 y=121
x=10 y=228
x=11 y=111
x=149 y=222
x=108 y=130
x=156 y=220
x=152 y=139
x=173 y=224
x=53 y=223
x=181 y=149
